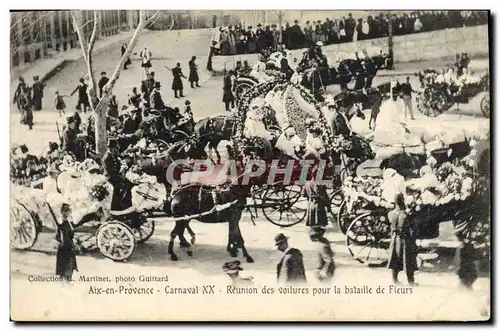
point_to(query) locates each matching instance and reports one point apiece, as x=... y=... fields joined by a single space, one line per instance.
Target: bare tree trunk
x=100 y=107
x=390 y=41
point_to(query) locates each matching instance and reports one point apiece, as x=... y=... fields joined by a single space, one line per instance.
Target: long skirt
x=177 y=84
x=316 y=205
x=193 y=76
x=402 y=252
x=227 y=96
x=65 y=261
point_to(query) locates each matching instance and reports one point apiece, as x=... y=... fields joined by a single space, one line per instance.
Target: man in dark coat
x=69 y=138
x=227 y=90
x=66 y=255
x=156 y=101
x=122 y=198
x=102 y=82
x=193 y=73
x=37 y=93
x=127 y=62
x=326 y=266
x=297 y=36
x=403 y=249
x=290 y=269
x=147 y=87
x=177 y=81
x=83 y=98
x=406 y=91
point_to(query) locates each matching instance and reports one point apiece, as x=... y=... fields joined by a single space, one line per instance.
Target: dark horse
x=210 y=131
x=158 y=167
x=198 y=201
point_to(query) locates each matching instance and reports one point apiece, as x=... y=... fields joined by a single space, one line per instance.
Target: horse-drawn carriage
x=437 y=95
x=348 y=70
x=456 y=191
x=34 y=210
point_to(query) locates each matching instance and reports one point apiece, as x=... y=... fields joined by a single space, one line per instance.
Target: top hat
x=280 y=238
x=187 y=103
x=232 y=267
x=70 y=119
x=157 y=84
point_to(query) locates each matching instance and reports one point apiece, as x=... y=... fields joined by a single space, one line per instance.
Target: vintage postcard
x=258 y=165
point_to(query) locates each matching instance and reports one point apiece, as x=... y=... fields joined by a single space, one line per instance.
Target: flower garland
x=98 y=192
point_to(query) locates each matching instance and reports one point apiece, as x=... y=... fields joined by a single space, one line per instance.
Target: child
x=59 y=104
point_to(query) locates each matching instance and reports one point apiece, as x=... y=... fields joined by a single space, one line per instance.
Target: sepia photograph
x=250 y=165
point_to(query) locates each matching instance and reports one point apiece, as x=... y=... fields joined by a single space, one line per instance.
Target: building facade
x=36 y=35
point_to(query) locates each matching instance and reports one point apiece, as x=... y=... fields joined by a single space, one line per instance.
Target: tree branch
x=76 y=17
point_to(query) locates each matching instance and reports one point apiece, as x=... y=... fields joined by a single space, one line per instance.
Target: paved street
x=436 y=297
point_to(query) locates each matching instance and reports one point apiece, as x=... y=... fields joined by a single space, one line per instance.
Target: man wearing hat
x=177 y=82
x=66 y=253
x=156 y=101
x=122 y=198
x=102 y=82
x=290 y=269
x=69 y=138
x=147 y=87
x=326 y=267
x=83 y=98
x=37 y=93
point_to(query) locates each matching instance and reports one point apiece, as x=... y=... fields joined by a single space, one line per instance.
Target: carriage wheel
x=485 y=105
x=116 y=241
x=144 y=232
x=284 y=206
x=24 y=231
x=368 y=239
x=344 y=218
x=336 y=200
x=427 y=111
x=242 y=89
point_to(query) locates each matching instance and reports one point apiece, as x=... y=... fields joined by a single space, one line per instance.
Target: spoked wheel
x=336 y=198
x=116 y=241
x=243 y=85
x=368 y=239
x=344 y=217
x=485 y=105
x=24 y=231
x=144 y=232
x=432 y=108
x=284 y=206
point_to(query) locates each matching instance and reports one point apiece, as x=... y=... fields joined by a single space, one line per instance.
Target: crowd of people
x=238 y=39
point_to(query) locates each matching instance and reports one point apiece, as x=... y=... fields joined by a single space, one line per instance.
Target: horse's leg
x=232 y=248
x=183 y=242
x=235 y=219
x=191 y=233
x=178 y=229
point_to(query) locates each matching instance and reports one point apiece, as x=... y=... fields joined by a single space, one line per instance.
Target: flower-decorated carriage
x=441 y=91
x=37 y=208
x=294 y=108
x=456 y=191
